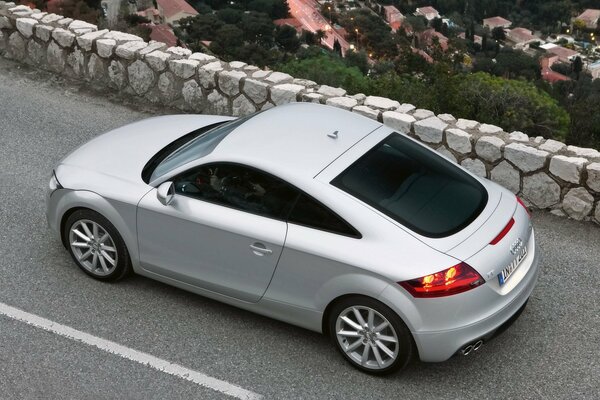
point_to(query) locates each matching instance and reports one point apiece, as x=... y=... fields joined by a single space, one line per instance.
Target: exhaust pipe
x=465 y=351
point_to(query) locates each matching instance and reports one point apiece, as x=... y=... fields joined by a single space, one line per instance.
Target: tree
x=577 y=66
x=498 y=34
x=258 y=28
x=228 y=41
x=287 y=38
x=320 y=35
x=337 y=48
x=357 y=59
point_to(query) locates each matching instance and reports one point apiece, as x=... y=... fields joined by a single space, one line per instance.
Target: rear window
x=416 y=187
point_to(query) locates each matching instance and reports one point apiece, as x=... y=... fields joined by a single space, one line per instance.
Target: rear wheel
x=96 y=246
x=370 y=335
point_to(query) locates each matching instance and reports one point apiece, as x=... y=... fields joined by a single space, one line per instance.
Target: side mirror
x=165 y=193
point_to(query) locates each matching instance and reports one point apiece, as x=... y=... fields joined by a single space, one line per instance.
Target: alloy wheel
x=93 y=247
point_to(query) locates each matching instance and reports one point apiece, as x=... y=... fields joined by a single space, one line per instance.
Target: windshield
x=196 y=148
x=414 y=186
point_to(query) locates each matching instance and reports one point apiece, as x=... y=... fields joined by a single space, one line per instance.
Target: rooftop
x=282 y=139
x=163 y=33
x=562 y=52
x=171 y=8
x=591 y=17
x=496 y=21
x=521 y=35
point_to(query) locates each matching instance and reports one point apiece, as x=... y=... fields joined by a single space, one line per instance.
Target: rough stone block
x=449 y=118
x=168 y=86
x=76 y=60
x=207 y=72
x=526 y=158
x=56 y=57
x=285 y=93
x=331 y=91
x=275 y=77
x=63 y=37
x=405 y=108
x=242 y=106
x=366 y=112
x=152 y=46
x=459 y=140
x=237 y=64
x=518 y=136
x=304 y=82
x=578 y=203
x=141 y=77
x=105 y=47
x=192 y=94
x=421 y=113
x=96 y=68
x=86 y=41
x=567 y=168
x=82 y=26
x=489 y=148
x=117 y=74
x=121 y=37
x=488 y=129
x=183 y=68
x=36 y=52
x=26 y=26
x=217 y=103
x=229 y=82
x=552 y=146
x=312 y=97
x=593 y=177
x=430 y=130
x=5 y=23
x=158 y=60
x=129 y=50
x=256 y=90
x=51 y=18
x=475 y=166
x=17 y=46
x=398 y=121
x=541 y=190
x=43 y=32
x=507 y=176
x=202 y=58
x=466 y=124
x=346 y=103
x=584 y=152
x=382 y=103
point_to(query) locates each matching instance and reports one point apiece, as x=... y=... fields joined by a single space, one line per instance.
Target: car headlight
x=54 y=183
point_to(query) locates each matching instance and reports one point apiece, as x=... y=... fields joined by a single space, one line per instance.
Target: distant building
x=394 y=17
x=428 y=35
x=172 y=11
x=594 y=69
x=428 y=12
x=151 y=14
x=547 y=73
x=496 y=22
x=564 y=55
x=476 y=38
x=591 y=18
x=163 y=33
x=521 y=37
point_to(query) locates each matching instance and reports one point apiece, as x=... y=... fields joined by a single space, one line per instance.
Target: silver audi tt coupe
x=307 y=214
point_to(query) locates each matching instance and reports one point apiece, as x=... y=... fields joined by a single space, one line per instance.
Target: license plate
x=508 y=271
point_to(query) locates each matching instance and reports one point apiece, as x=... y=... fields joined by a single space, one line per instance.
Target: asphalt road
x=551 y=352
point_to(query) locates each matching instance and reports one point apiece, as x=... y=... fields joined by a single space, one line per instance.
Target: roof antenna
x=333 y=135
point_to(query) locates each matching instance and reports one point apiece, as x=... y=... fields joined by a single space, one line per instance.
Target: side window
x=308 y=212
x=238 y=187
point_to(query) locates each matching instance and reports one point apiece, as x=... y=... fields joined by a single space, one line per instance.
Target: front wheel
x=96 y=246
x=370 y=335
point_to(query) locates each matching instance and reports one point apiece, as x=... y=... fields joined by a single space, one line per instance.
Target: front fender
x=121 y=215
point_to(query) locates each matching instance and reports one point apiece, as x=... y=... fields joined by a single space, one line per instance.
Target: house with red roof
x=293 y=22
x=521 y=37
x=393 y=17
x=428 y=12
x=427 y=37
x=591 y=17
x=163 y=33
x=151 y=14
x=564 y=55
x=496 y=22
x=172 y=11
x=547 y=73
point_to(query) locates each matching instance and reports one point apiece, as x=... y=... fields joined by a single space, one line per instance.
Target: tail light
x=503 y=232
x=456 y=279
x=524 y=206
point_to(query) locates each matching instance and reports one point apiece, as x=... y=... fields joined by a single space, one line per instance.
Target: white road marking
x=130 y=354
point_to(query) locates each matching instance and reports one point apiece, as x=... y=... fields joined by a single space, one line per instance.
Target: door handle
x=260 y=249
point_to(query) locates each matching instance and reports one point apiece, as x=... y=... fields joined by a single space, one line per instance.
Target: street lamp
x=329 y=8
x=356 y=30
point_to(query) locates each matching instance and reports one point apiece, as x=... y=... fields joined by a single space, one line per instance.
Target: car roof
x=296 y=138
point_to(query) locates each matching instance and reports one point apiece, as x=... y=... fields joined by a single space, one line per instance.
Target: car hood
x=123 y=152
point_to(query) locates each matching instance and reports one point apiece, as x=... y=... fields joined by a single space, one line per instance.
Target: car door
x=224 y=230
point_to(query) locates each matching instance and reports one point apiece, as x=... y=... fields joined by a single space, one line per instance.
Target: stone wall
x=548 y=174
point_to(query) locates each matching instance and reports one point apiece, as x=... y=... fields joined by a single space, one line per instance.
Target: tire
x=96 y=246
x=390 y=347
